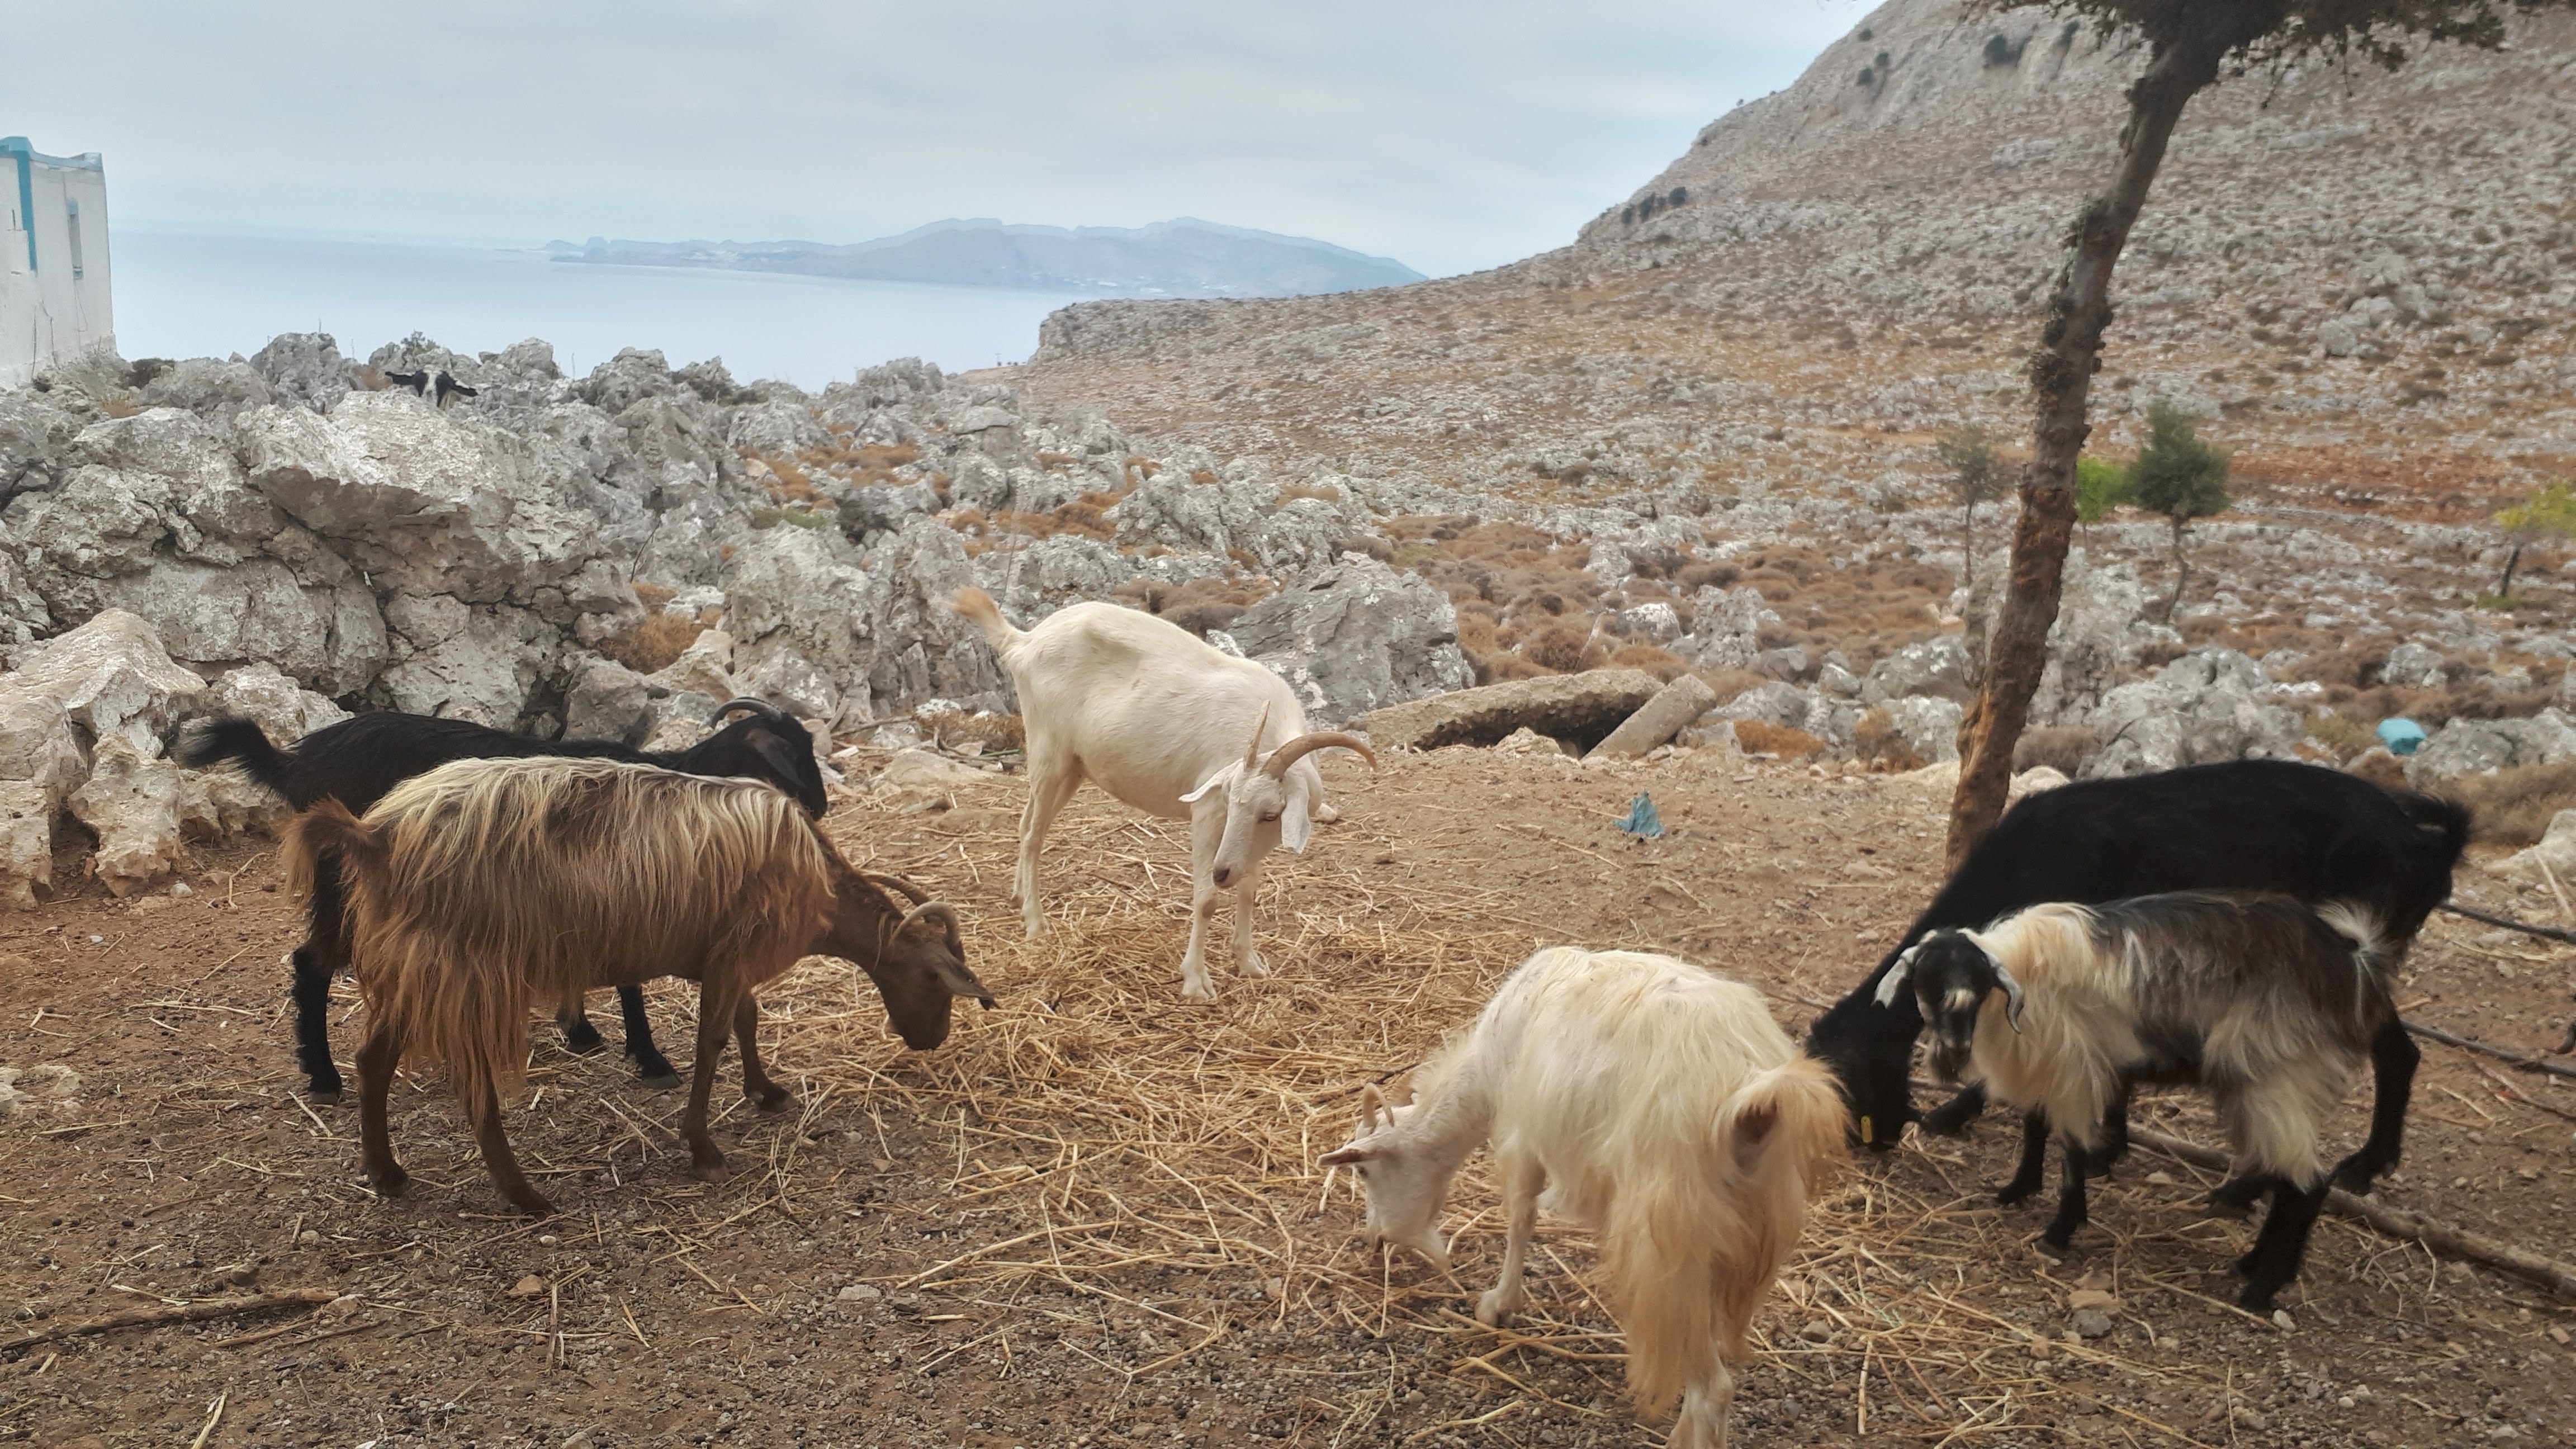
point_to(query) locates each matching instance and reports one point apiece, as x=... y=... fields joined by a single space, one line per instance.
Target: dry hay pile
x=1096 y=1129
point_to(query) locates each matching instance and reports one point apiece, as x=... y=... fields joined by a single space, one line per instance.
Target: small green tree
x=2549 y=513
x=2100 y=486
x=1974 y=455
x=2179 y=476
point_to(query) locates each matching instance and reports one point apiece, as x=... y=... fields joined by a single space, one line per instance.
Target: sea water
x=191 y=294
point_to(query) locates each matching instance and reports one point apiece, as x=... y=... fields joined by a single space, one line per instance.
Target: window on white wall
x=73 y=220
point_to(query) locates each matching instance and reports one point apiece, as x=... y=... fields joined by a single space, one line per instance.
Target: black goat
x=357 y=760
x=418 y=382
x=2302 y=831
x=447 y=387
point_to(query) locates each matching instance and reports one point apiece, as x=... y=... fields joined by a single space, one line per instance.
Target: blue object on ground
x=1641 y=821
x=2402 y=736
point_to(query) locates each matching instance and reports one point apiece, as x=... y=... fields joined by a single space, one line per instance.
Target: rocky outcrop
x=2207 y=706
x=1356 y=637
x=2482 y=746
x=1580 y=707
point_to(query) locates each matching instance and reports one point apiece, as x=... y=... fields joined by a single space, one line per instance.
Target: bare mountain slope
x=2367 y=278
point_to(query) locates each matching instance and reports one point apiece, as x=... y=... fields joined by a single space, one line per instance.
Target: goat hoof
x=390 y=1182
x=534 y=1206
x=773 y=1100
x=1253 y=965
x=2257 y=1300
x=2013 y=1194
x=325 y=1096
x=2049 y=1247
x=2355 y=1180
x=664 y=1080
x=708 y=1169
x=1493 y=1306
x=1197 y=991
x=582 y=1039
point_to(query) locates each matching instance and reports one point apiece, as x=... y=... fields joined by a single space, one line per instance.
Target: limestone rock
x=284 y=710
x=35 y=433
x=1726 y=630
x=2204 y=707
x=2477 y=746
x=132 y=801
x=608 y=701
x=1674 y=706
x=26 y=842
x=2412 y=666
x=111 y=677
x=1935 y=668
x=1929 y=723
x=2557 y=850
x=303 y=368
x=216 y=391
x=1358 y=636
x=1776 y=703
x=1581 y=706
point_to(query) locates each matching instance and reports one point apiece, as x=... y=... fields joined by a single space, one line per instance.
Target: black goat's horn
x=761 y=707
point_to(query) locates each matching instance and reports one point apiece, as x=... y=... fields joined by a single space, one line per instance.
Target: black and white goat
x=447 y=387
x=418 y=381
x=2252 y=825
x=2269 y=1004
x=357 y=760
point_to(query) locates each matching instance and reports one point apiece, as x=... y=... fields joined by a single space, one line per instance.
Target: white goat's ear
x=1342 y=1156
x=2012 y=995
x=1897 y=975
x=1296 y=824
x=1217 y=781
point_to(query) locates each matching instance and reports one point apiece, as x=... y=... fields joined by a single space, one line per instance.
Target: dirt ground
x=1091 y=1218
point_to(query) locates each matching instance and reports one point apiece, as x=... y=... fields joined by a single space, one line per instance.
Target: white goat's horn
x=1252 y=751
x=1304 y=745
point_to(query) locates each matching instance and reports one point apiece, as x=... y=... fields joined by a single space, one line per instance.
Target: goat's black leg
x=324 y=952
x=2393 y=1056
x=2235 y=1198
x=2115 y=1135
x=2281 y=1245
x=1951 y=1118
x=573 y=1020
x=2071 y=1212
x=2034 y=1159
x=651 y=1067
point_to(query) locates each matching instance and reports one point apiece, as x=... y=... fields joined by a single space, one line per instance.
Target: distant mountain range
x=1183 y=257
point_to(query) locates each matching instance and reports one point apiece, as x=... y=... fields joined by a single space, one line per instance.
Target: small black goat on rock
x=2303 y=831
x=357 y=760
x=2059 y=1008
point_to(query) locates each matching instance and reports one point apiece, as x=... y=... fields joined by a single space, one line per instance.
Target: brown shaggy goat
x=485 y=886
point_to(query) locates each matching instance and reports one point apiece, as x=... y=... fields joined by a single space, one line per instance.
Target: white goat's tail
x=1694 y=1241
x=977 y=605
x=2372 y=961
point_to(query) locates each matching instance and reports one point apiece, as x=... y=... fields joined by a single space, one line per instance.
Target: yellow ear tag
x=1865 y=1134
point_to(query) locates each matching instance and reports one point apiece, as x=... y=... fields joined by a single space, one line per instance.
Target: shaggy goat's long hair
x=1673 y=1116
x=2271 y=1004
x=485 y=885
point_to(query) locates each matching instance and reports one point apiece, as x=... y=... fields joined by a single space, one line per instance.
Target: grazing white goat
x=2268 y=1002
x=1671 y=1115
x=1174 y=727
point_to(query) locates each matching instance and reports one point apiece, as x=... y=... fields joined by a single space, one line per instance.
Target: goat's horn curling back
x=760 y=707
x=1304 y=745
x=898 y=885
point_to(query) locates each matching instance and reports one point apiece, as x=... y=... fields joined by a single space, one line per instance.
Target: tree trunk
x=2504 y=590
x=2182 y=574
x=2061 y=376
x=1968 y=551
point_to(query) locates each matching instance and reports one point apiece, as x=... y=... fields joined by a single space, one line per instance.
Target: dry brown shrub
x=1756 y=737
x=2514 y=807
x=1055 y=462
x=1202 y=476
x=968 y=519
x=1325 y=491
x=2340 y=737
x=1140 y=465
x=1078 y=517
x=651 y=645
x=1651 y=659
x=1503 y=666
x=119 y=404
x=655 y=595
x=1564 y=648
x=2062 y=748
x=1876 y=742
x=1713 y=574
x=369 y=378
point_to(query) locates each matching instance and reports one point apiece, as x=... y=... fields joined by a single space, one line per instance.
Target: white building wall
x=54 y=274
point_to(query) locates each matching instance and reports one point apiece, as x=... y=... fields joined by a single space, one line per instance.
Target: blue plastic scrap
x=2402 y=736
x=1641 y=820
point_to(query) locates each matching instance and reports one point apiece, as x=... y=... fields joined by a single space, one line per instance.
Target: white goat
x=1174 y=727
x=1673 y=1117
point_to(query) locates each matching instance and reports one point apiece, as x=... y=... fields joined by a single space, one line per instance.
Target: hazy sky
x=1451 y=136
